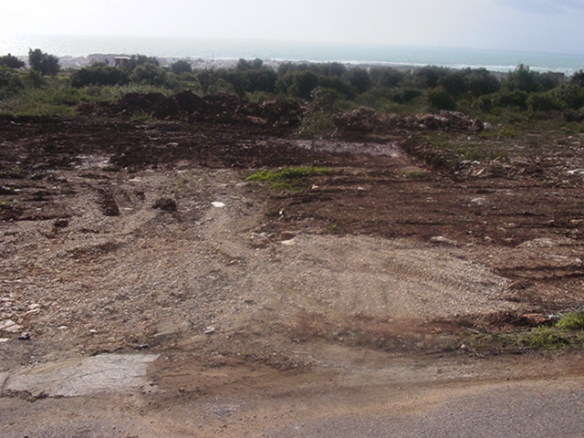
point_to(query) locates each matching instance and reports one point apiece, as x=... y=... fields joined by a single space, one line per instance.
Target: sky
x=543 y=26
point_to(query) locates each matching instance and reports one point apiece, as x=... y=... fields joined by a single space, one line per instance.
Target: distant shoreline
x=221 y=52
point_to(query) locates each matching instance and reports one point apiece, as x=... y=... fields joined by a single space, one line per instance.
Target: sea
x=229 y=49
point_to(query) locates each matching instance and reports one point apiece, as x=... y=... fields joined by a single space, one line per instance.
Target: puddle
x=390 y=149
x=105 y=373
x=92 y=161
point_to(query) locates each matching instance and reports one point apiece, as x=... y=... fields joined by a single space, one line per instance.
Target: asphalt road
x=514 y=409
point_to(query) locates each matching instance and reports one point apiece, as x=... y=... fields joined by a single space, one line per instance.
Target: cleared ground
x=255 y=302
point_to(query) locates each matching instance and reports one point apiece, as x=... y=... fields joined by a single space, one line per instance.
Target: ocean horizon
x=228 y=49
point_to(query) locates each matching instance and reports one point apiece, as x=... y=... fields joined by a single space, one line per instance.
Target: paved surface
x=105 y=373
x=524 y=409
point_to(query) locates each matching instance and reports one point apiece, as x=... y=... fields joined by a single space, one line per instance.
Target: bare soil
x=120 y=236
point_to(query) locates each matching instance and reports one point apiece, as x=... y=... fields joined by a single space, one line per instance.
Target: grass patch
x=416 y=175
x=288 y=174
x=567 y=332
x=571 y=321
x=509 y=132
x=438 y=139
x=547 y=338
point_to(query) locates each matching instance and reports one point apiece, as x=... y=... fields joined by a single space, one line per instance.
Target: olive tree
x=43 y=63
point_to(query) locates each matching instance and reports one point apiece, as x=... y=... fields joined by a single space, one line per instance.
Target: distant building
x=121 y=61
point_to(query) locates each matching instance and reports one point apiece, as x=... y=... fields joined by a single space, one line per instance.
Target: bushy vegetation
x=567 y=331
x=478 y=92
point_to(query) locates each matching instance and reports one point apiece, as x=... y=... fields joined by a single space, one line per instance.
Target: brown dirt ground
x=110 y=242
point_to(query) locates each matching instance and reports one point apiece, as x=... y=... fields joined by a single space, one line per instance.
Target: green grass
x=567 y=332
x=284 y=178
x=57 y=99
x=509 y=132
x=438 y=139
x=288 y=173
x=547 y=338
x=571 y=321
x=416 y=175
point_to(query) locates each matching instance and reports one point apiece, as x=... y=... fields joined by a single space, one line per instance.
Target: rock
x=441 y=240
x=10 y=326
x=543 y=242
x=108 y=204
x=165 y=204
x=218 y=204
x=287 y=235
x=259 y=240
x=479 y=201
x=61 y=223
x=209 y=330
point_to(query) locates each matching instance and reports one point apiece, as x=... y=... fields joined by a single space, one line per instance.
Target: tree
x=303 y=82
x=578 y=78
x=244 y=64
x=385 y=76
x=523 y=79
x=481 y=81
x=238 y=81
x=360 y=79
x=543 y=102
x=262 y=79
x=10 y=82
x=43 y=63
x=181 y=66
x=454 y=83
x=427 y=77
x=150 y=74
x=439 y=98
x=98 y=74
x=318 y=121
x=138 y=60
x=11 y=61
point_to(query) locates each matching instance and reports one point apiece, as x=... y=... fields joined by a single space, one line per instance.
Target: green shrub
x=441 y=99
x=545 y=337
x=11 y=61
x=98 y=74
x=181 y=66
x=513 y=98
x=10 y=82
x=43 y=63
x=570 y=95
x=543 y=102
x=149 y=74
x=405 y=95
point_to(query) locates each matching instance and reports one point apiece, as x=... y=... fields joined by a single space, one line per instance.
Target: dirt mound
x=217 y=108
x=365 y=120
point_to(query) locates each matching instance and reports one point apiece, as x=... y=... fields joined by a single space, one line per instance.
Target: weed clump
x=288 y=173
x=571 y=321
